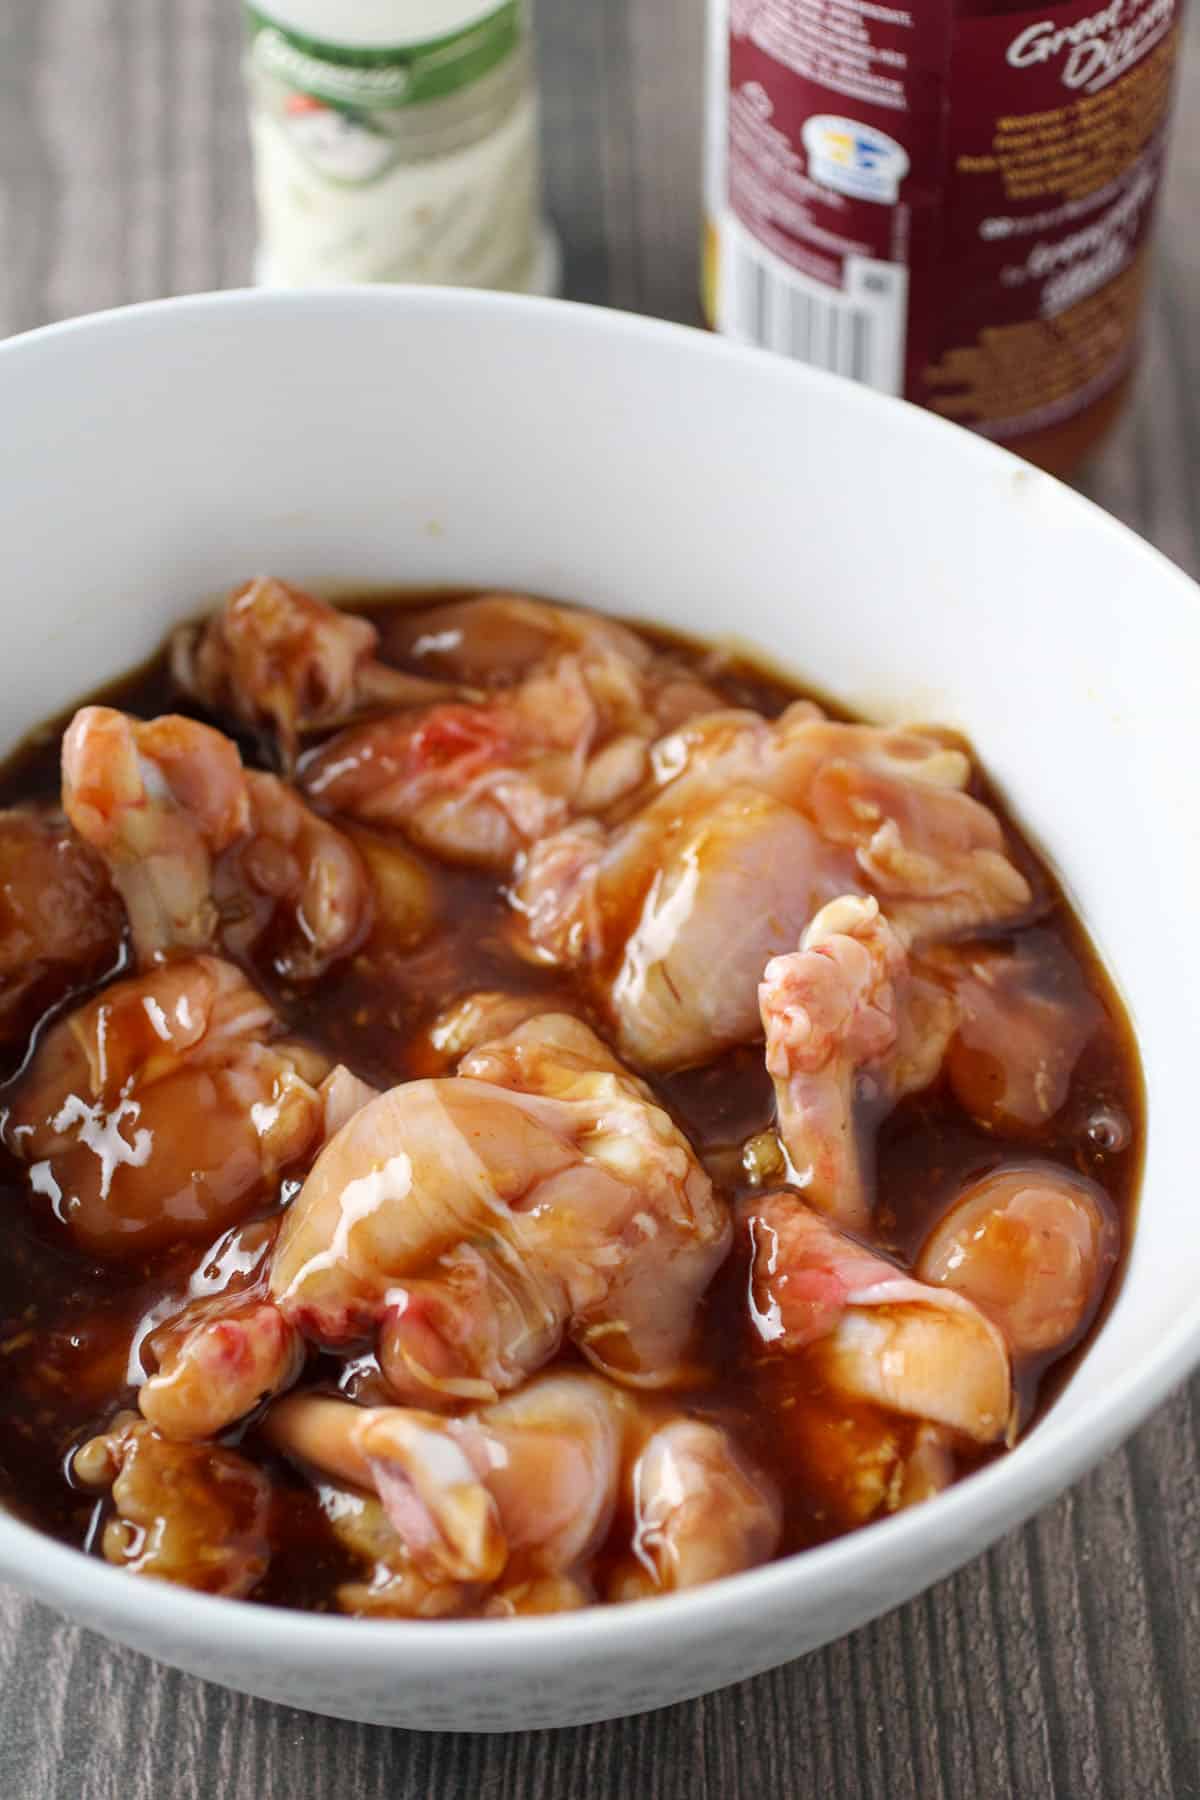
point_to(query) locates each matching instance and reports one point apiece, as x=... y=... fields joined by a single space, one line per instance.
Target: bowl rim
x=976 y=1510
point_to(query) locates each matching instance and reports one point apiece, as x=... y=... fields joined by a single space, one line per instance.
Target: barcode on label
x=856 y=331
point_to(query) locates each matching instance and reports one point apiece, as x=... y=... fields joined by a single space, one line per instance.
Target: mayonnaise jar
x=397 y=140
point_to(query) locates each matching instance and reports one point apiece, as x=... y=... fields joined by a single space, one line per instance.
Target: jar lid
x=375 y=24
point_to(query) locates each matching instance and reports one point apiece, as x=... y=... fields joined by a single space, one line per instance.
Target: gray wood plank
x=1063 y=1663
x=29 y=210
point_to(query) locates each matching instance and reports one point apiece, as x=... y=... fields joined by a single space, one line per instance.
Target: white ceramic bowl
x=149 y=458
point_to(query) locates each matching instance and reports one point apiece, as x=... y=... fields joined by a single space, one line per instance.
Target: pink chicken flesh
x=573 y=704
x=473 y=1221
x=876 y=1333
x=1032 y=1246
x=850 y=1029
x=522 y=1494
x=673 y=914
x=281 y=661
x=205 y=853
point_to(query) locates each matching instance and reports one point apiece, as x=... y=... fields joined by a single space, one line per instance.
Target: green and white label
x=386 y=76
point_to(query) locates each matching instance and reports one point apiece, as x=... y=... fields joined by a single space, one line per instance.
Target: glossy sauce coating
x=70 y=1327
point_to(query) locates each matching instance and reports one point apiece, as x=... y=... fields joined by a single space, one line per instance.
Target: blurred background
x=125 y=162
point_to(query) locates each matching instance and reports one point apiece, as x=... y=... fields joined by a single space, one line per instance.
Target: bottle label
x=947 y=202
x=398 y=75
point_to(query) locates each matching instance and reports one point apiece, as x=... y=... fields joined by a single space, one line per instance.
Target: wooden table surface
x=1065 y=1663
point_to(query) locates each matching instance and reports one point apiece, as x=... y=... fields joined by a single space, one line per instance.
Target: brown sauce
x=67 y=1322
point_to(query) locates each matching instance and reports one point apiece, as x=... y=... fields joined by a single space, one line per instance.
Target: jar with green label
x=397 y=140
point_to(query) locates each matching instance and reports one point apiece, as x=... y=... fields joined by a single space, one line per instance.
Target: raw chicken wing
x=850 y=1030
x=673 y=913
x=1024 y=1019
x=216 y=1361
x=60 y=922
x=524 y=1487
x=875 y=1333
x=203 y=851
x=567 y=730
x=519 y=1496
x=192 y=1514
x=1033 y=1247
x=474 y=1220
x=699 y=1512
x=280 y=661
x=163 y=1108
x=499 y=640
x=227 y=1347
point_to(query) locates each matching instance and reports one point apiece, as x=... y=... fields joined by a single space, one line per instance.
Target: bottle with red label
x=946 y=199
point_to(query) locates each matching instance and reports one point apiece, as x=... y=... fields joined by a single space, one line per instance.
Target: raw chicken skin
x=673 y=913
x=498 y=641
x=850 y=1029
x=875 y=1333
x=526 y=1485
x=474 y=1220
x=471 y=784
x=521 y=1495
x=700 y=1511
x=287 y=664
x=1033 y=1247
x=163 y=1109
x=1024 y=1019
x=576 y=703
x=216 y=1361
x=226 y=1347
x=205 y=853
x=495 y=640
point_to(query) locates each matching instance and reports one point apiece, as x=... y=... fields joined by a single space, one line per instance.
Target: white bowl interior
x=149 y=459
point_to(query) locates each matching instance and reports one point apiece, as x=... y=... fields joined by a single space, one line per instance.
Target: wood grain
x=1064 y=1663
